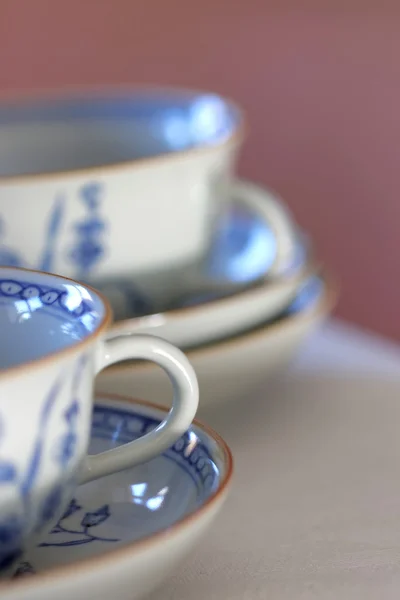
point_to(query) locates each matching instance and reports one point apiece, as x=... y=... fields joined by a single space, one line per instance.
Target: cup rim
x=45 y=360
x=70 y=92
x=147 y=542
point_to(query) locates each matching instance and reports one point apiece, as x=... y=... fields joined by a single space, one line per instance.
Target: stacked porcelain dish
x=131 y=192
x=239 y=319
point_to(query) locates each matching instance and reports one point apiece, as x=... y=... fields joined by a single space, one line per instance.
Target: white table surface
x=314 y=511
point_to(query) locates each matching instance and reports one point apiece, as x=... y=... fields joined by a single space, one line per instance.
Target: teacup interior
x=41 y=314
x=66 y=134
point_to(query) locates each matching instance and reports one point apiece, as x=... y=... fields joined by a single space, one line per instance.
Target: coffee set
x=125 y=201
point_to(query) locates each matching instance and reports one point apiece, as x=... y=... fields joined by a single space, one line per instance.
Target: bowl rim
x=114 y=555
x=81 y=91
x=324 y=305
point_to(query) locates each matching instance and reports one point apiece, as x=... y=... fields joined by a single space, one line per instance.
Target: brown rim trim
x=114 y=555
x=310 y=266
x=324 y=306
x=22 y=97
x=52 y=356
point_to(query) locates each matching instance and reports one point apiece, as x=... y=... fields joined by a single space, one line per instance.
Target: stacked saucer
x=238 y=319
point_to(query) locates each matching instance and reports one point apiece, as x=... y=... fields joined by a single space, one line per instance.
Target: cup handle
x=178 y=420
x=274 y=211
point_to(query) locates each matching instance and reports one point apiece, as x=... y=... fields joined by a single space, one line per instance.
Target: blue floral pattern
x=49 y=297
x=67 y=446
x=15 y=525
x=89 y=248
x=83 y=533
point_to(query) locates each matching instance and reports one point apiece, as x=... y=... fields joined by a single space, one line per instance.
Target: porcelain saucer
x=230 y=369
x=243 y=251
x=234 y=292
x=122 y=534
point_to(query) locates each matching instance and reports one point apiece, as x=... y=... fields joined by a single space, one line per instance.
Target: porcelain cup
x=113 y=182
x=51 y=348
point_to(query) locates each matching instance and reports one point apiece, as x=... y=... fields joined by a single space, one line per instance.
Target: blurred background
x=320 y=83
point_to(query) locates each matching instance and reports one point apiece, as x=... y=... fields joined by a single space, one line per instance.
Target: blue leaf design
x=88 y=249
x=67 y=448
x=8 y=472
x=36 y=458
x=53 y=228
x=72 y=509
x=95 y=518
x=72 y=412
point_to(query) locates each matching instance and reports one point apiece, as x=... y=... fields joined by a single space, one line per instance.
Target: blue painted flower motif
x=95 y=518
x=14 y=527
x=67 y=445
x=53 y=229
x=79 y=535
x=87 y=253
x=73 y=507
x=69 y=440
x=89 y=248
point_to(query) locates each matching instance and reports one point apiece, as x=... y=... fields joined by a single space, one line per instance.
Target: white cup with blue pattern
x=120 y=185
x=52 y=346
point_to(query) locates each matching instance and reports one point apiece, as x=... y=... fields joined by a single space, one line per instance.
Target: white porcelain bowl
x=123 y=534
x=113 y=182
x=228 y=370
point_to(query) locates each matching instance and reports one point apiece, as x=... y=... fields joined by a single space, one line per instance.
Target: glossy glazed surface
x=41 y=314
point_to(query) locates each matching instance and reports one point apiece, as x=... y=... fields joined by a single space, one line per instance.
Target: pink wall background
x=320 y=83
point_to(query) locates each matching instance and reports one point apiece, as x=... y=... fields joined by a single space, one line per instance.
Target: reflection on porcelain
x=51 y=348
x=253 y=356
x=307 y=297
x=165 y=503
